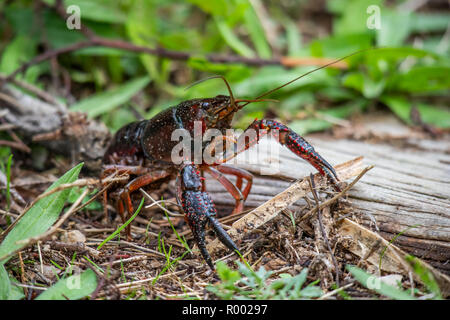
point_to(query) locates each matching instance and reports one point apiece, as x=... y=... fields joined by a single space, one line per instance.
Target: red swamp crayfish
x=143 y=149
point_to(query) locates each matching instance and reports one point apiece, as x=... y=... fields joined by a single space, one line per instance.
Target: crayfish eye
x=205 y=104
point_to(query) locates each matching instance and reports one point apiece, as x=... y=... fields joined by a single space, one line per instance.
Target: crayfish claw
x=199 y=210
x=199 y=236
x=223 y=235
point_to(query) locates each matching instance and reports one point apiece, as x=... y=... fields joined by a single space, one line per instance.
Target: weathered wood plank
x=409 y=186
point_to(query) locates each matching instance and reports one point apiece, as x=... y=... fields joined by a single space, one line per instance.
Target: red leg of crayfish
x=116 y=170
x=240 y=174
x=292 y=141
x=124 y=201
x=134 y=185
x=234 y=189
x=231 y=188
x=200 y=210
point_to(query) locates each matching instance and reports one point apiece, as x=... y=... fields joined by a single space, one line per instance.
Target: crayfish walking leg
x=234 y=189
x=124 y=203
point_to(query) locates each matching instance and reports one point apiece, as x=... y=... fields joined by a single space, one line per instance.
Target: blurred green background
x=413 y=69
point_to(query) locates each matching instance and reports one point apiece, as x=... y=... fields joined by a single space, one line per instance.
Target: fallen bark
x=54 y=126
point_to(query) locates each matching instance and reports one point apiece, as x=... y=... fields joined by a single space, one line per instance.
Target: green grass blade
x=94 y=264
x=115 y=233
x=392 y=241
x=168 y=265
x=73 y=288
x=8 y=182
x=182 y=240
x=41 y=216
x=425 y=275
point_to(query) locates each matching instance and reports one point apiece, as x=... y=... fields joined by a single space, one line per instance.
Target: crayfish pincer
x=143 y=151
x=199 y=210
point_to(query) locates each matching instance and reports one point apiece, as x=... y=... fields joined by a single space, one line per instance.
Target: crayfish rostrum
x=143 y=149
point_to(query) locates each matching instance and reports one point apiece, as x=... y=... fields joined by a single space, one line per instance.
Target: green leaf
x=256 y=32
x=213 y=7
x=19 y=18
x=309 y=125
x=106 y=101
x=56 y=32
x=369 y=87
x=300 y=279
x=19 y=51
x=395 y=28
x=201 y=63
x=425 y=275
x=397 y=53
x=340 y=45
x=76 y=192
x=73 y=288
x=429 y=22
x=226 y=274
x=430 y=114
x=16 y=292
x=374 y=283
x=438 y=117
x=293 y=37
x=311 y=292
x=8 y=291
x=5 y=284
x=270 y=77
x=99 y=10
x=41 y=216
x=231 y=39
x=422 y=79
x=316 y=124
x=117 y=119
x=354 y=16
x=141 y=27
x=400 y=106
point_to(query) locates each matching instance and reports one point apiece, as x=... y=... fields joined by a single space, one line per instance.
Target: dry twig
x=324 y=234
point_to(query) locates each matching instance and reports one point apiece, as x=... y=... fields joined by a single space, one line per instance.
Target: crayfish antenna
x=307 y=73
x=232 y=100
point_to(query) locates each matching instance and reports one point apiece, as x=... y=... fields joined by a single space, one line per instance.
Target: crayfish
x=142 y=150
